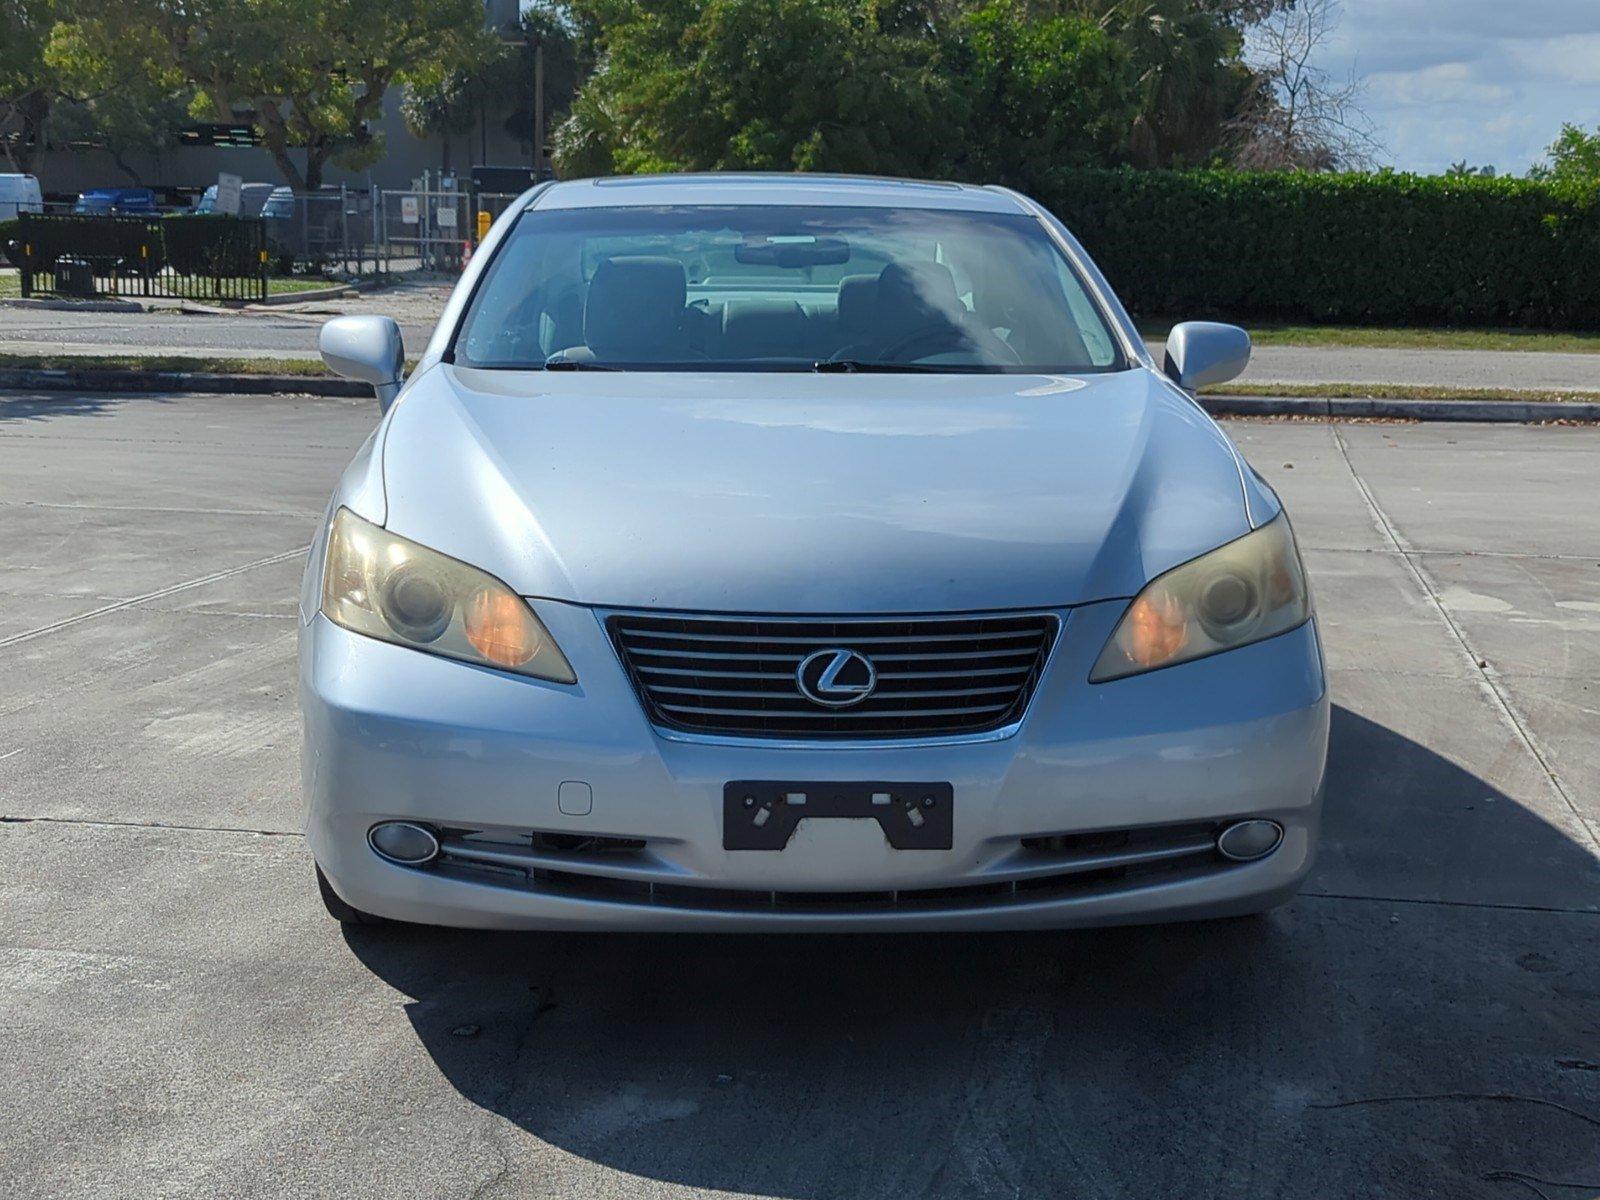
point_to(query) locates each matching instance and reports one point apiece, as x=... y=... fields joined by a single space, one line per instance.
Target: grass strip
x=1397 y=391
x=163 y=362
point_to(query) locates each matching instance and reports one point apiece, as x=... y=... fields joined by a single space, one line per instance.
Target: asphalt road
x=181 y=1019
x=278 y=333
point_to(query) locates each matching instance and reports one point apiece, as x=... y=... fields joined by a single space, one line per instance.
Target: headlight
x=392 y=589
x=1250 y=589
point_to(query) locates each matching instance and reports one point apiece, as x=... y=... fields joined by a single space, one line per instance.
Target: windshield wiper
x=851 y=366
x=573 y=364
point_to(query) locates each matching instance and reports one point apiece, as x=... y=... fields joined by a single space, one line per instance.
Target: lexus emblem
x=836 y=678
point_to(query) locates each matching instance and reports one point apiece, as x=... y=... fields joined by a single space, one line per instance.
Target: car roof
x=738 y=188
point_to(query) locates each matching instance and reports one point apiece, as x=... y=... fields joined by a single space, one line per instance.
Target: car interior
x=790 y=299
x=638 y=309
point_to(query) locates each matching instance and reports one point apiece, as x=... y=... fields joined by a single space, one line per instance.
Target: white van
x=19 y=194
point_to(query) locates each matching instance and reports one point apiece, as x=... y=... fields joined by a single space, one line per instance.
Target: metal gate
x=334 y=229
x=421 y=230
x=186 y=257
x=425 y=230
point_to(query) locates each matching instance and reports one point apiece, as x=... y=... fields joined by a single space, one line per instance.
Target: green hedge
x=113 y=239
x=1360 y=249
x=211 y=245
x=205 y=247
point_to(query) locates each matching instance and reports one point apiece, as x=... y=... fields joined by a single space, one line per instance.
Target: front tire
x=345 y=914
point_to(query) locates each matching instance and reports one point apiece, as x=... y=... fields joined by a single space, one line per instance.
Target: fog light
x=1245 y=841
x=403 y=842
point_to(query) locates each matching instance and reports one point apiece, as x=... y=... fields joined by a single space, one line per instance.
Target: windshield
x=783 y=288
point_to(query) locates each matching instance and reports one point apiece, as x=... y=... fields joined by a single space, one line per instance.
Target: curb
x=1507 y=411
x=96 y=306
x=122 y=380
x=308 y=297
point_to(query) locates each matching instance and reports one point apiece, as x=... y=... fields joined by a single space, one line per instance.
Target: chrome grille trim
x=1039 y=869
x=962 y=677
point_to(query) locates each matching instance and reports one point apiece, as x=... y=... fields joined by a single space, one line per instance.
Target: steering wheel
x=932 y=339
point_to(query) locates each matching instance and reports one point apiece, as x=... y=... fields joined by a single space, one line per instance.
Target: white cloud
x=1446 y=83
x=1570 y=59
x=1488 y=81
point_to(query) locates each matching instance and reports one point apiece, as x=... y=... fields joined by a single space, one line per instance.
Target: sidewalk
x=1514 y=370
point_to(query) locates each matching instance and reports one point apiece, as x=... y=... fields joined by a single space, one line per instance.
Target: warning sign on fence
x=408 y=210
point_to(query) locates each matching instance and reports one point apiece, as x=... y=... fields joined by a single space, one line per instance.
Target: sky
x=1487 y=81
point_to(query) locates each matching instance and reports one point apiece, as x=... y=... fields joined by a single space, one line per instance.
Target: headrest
x=763 y=328
x=858 y=299
x=635 y=306
x=922 y=288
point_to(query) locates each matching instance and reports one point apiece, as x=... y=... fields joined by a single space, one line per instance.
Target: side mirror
x=368 y=349
x=1204 y=352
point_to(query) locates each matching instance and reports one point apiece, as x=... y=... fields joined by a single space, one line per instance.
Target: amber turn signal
x=501 y=628
x=1156 y=630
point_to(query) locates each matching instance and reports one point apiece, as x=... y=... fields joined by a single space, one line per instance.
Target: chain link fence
x=425 y=230
x=329 y=231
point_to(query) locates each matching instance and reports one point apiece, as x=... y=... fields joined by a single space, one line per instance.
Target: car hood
x=803 y=493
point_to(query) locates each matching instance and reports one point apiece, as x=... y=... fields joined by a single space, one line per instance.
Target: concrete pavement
x=182 y=1020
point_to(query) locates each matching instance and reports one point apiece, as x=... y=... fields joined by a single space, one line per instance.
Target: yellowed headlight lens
x=1248 y=590
x=387 y=587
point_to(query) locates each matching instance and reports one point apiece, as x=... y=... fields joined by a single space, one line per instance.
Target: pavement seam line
x=1487 y=682
x=103 y=823
x=159 y=594
x=1484 y=904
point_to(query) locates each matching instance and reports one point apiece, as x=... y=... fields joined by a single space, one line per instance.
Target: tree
x=753 y=84
x=1574 y=157
x=27 y=83
x=1035 y=93
x=139 y=110
x=1192 y=80
x=120 y=124
x=499 y=83
x=992 y=91
x=1299 y=117
x=309 y=74
x=1465 y=170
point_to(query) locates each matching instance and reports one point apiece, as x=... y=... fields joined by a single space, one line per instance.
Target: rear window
x=783 y=288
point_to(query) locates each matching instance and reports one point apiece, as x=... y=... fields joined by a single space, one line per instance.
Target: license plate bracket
x=762 y=814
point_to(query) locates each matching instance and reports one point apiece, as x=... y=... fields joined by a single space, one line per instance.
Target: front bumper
x=391 y=733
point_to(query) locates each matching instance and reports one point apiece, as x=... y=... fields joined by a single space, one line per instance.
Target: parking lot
x=181 y=1018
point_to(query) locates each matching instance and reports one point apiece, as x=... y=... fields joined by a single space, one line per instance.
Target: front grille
x=736 y=676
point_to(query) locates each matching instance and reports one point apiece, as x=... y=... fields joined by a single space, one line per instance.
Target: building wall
x=405 y=157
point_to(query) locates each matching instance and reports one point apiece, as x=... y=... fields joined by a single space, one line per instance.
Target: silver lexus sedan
x=801 y=553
